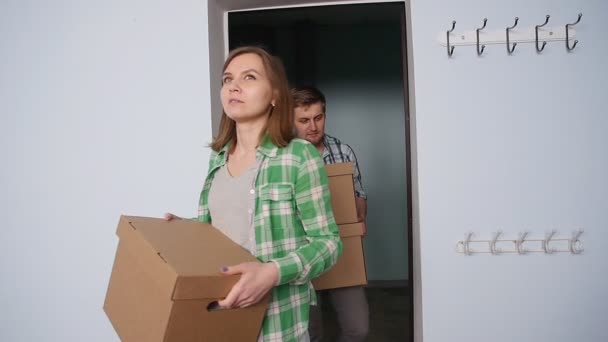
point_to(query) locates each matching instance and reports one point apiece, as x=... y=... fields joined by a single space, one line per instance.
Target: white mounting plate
x=516 y=35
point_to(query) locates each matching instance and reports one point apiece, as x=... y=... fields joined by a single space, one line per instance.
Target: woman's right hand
x=169 y=217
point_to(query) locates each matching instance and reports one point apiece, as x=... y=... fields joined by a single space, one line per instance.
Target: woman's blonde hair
x=280 y=122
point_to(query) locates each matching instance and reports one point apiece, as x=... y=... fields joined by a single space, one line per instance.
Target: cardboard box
x=166 y=278
x=342 y=192
x=350 y=268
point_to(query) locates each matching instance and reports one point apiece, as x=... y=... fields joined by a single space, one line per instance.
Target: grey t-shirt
x=232 y=204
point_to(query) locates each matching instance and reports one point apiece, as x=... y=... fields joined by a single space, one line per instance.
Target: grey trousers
x=352 y=314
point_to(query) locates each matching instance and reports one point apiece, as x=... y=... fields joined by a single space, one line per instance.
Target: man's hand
x=364 y=227
x=256 y=280
x=361 y=204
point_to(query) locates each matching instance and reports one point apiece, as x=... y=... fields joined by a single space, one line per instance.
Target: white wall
x=104 y=110
x=512 y=142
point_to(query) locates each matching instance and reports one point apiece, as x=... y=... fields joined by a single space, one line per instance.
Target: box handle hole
x=214 y=306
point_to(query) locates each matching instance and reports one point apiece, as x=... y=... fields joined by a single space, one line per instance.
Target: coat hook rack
x=549 y=245
x=513 y=36
x=509 y=49
x=480 y=51
x=568 y=47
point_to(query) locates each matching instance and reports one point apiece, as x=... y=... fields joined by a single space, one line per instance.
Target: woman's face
x=246 y=90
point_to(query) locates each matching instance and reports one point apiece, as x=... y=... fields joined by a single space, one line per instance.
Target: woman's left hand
x=256 y=280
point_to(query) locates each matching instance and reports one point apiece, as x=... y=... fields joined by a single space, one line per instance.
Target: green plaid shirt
x=294 y=227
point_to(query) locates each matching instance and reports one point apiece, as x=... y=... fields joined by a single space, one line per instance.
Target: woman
x=269 y=193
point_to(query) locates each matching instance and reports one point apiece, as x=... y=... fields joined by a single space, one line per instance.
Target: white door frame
x=218 y=10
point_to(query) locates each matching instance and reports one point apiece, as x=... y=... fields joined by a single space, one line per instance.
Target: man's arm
x=361 y=204
x=361 y=208
x=360 y=195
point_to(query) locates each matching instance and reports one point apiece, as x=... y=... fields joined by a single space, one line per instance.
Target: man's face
x=310 y=123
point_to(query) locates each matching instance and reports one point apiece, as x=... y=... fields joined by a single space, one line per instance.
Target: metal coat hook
x=467 y=240
x=493 y=249
x=539 y=49
x=570 y=48
x=575 y=245
x=546 y=242
x=480 y=51
x=466 y=249
x=520 y=243
x=509 y=49
x=447 y=34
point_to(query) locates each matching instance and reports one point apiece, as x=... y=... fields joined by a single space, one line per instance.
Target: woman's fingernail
x=224 y=269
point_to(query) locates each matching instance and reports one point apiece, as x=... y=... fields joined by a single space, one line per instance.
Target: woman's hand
x=256 y=280
x=169 y=217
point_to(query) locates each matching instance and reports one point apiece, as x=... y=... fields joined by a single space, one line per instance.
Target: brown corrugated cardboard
x=342 y=192
x=165 y=276
x=350 y=268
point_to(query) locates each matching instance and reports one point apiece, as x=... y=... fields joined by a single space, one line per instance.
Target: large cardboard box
x=166 y=279
x=342 y=192
x=350 y=268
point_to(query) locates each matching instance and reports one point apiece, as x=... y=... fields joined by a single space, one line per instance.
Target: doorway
x=356 y=55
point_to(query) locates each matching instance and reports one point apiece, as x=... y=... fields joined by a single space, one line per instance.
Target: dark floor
x=390 y=315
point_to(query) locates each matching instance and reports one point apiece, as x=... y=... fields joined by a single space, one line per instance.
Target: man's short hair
x=306 y=96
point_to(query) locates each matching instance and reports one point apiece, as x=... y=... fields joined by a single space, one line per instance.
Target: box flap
x=339 y=169
x=351 y=229
x=195 y=251
x=144 y=253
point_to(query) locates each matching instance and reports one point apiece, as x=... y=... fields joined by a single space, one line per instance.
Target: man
x=349 y=303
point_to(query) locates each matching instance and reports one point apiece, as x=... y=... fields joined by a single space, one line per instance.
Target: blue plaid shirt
x=337 y=152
